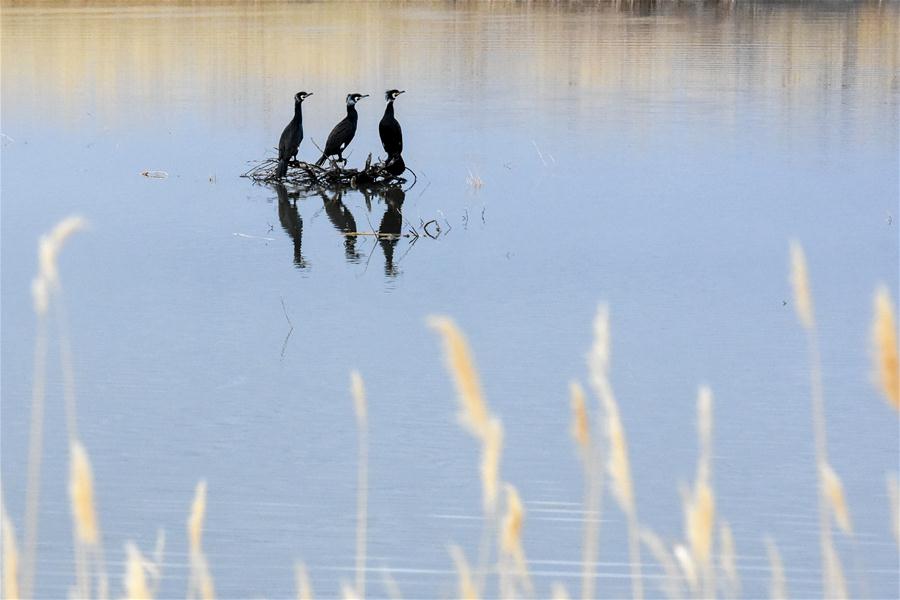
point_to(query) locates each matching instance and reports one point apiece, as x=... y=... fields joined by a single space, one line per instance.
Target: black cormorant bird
x=342 y=134
x=291 y=137
x=389 y=128
x=395 y=165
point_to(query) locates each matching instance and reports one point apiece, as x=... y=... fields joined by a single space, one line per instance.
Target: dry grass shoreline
x=702 y=564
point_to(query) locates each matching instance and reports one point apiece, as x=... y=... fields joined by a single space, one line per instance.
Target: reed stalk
x=135 y=579
x=778 y=587
x=893 y=489
x=700 y=505
x=301 y=577
x=671 y=583
x=618 y=464
x=84 y=517
x=10 y=556
x=45 y=285
x=467 y=587
x=200 y=584
x=593 y=481
x=362 y=481
x=511 y=545
x=728 y=561
x=390 y=585
x=475 y=417
x=832 y=575
x=558 y=592
x=35 y=454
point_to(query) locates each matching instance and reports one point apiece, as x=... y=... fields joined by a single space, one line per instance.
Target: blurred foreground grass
x=703 y=564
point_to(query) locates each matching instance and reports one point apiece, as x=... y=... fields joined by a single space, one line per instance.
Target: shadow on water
x=291 y=221
x=390 y=227
x=342 y=219
x=388 y=234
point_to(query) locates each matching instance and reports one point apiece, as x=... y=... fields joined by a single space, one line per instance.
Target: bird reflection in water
x=387 y=236
x=292 y=222
x=390 y=227
x=342 y=219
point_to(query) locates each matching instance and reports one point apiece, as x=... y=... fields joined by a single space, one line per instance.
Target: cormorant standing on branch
x=342 y=134
x=389 y=128
x=291 y=137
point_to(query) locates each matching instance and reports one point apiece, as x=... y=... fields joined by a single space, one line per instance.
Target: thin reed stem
x=362 y=481
x=68 y=371
x=832 y=576
x=35 y=456
x=589 y=452
x=617 y=463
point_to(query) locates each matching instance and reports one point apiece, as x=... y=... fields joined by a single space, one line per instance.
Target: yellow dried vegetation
x=884 y=347
x=701 y=565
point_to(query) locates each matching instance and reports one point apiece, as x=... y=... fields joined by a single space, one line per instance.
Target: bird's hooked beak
x=361 y=96
x=401 y=92
x=308 y=94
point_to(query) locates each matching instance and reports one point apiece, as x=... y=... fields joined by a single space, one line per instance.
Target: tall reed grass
x=696 y=566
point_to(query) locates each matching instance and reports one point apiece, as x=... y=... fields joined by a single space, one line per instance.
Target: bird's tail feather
x=282 y=168
x=321 y=161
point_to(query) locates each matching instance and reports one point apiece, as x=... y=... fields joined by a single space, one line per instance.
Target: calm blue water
x=659 y=160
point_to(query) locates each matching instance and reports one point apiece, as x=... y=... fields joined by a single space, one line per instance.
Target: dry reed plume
x=700 y=504
x=143 y=575
x=688 y=567
x=45 y=285
x=884 y=342
x=477 y=419
x=581 y=433
x=474 y=414
x=81 y=492
x=833 y=585
x=803 y=304
x=200 y=584
x=834 y=491
x=511 y=546
x=692 y=562
x=10 y=556
x=304 y=587
x=135 y=579
x=87 y=530
x=617 y=445
x=466 y=585
x=581 y=429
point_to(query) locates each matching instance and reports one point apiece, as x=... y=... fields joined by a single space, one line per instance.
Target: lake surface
x=658 y=158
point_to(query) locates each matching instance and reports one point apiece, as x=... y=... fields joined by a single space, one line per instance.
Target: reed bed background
x=701 y=564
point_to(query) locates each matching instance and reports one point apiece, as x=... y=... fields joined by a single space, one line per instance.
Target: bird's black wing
x=341 y=135
x=286 y=149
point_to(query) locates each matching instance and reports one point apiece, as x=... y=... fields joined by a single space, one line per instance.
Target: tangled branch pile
x=308 y=175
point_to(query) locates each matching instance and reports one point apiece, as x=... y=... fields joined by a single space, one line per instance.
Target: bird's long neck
x=298 y=112
x=351 y=112
x=389 y=109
